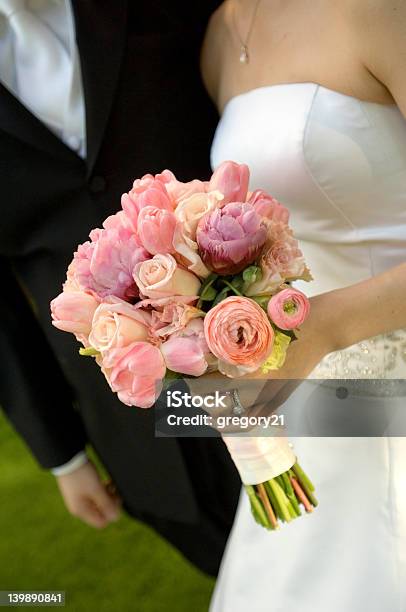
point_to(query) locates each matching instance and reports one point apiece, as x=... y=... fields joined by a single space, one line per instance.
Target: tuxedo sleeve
x=34 y=393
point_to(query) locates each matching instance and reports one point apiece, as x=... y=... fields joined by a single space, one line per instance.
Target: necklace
x=244 y=54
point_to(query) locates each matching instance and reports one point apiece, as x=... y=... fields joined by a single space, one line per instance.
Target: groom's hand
x=88 y=498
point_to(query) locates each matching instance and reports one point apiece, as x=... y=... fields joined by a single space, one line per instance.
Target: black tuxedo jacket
x=146 y=110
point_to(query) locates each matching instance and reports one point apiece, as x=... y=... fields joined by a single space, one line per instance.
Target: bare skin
x=88 y=498
x=340 y=44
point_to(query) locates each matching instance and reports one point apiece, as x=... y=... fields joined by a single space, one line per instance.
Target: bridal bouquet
x=189 y=278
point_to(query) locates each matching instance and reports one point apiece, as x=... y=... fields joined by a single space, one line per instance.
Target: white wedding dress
x=339 y=164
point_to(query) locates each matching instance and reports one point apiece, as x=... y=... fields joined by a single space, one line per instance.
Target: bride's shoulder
x=214 y=44
x=380 y=28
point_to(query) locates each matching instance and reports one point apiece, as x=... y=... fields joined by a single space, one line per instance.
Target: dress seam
x=311 y=175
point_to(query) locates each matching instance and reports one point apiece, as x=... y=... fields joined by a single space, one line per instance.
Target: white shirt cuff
x=76 y=462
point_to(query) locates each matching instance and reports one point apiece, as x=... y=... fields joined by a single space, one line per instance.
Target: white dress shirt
x=57 y=15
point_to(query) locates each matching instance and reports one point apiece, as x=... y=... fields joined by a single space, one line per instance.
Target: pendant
x=244 y=57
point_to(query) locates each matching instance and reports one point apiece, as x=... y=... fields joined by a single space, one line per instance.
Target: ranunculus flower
x=267 y=206
x=135 y=373
x=147 y=191
x=281 y=260
x=162 y=277
x=239 y=333
x=105 y=265
x=186 y=351
x=116 y=324
x=288 y=308
x=73 y=311
x=231 y=179
x=230 y=238
x=188 y=213
x=156 y=227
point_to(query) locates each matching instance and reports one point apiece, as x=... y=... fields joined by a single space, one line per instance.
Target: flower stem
x=267 y=505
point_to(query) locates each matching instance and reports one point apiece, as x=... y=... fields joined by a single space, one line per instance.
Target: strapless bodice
x=339 y=164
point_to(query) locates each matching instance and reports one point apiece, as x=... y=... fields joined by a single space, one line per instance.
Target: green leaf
x=208 y=294
x=88 y=352
x=252 y=274
x=221 y=296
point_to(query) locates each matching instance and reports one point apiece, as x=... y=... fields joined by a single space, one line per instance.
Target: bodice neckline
x=270 y=88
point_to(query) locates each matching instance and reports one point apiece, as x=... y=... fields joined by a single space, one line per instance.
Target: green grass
x=126 y=567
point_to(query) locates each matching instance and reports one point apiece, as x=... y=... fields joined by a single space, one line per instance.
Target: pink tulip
x=135 y=373
x=231 y=179
x=266 y=206
x=239 y=333
x=289 y=308
x=73 y=311
x=147 y=191
x=186 y=351
x=179 y=191
x=156 y=227
x=105 y=265
x=230 y=238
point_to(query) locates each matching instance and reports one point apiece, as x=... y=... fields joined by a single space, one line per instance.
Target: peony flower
x=156 y=227
x=105 y=265
x=72 y=311
x=281 y=260
x=135 y=373
x=231 y=179
x=288 y=308
x=162 y=277
x=266 y=206
x=147 y=191
x=188 y=213
x=186 y=351
x=239 y=333
x=116 y=324
x=230 y=238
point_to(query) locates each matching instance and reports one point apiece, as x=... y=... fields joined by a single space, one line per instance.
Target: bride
x=313 y=98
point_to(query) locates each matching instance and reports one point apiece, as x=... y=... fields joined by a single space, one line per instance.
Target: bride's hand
x=262 y=394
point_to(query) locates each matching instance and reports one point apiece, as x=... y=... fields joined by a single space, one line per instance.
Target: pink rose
x=239 y=333
x=189 y=212
x=156 y=227
x=118 y=324
x=105 y=265
x=230 y=238
x=147 y=191
x=281 y=260
x=266 y=206
x=73 y=311
x=231 y=179
x=288 y=308
x=135 y=373
x=170 y=315
x=162 y=277
x=186 y=351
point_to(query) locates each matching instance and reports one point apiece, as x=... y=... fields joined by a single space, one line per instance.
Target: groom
x=92 y=95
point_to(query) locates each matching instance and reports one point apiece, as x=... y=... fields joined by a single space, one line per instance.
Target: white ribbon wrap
x=260 y=458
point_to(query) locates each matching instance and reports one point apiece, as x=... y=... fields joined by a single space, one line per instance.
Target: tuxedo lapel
x=18 y=121
x=101 y=36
